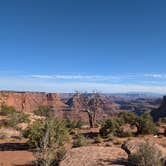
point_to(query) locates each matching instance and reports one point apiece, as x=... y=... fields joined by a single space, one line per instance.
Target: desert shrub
x=54 y=161
x=98 y=139
x=80 y=141
x=47 y=137
x=7 y=110
x=162 y=120
x=146 y=155
x=45 y=111
x=73 y=124
x=16 y=118
x=40 y=161
x=54 y=128
x=111 y=126
x=145 y=124
x=60 y=155
x=127 y=117
x=35 y=133
x=125 y=134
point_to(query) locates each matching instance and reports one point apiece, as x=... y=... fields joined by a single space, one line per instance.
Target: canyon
x=67 y=105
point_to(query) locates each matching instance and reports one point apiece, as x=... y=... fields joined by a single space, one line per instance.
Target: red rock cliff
x=29 y=101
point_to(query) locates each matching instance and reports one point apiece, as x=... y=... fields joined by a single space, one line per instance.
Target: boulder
x=131 y=147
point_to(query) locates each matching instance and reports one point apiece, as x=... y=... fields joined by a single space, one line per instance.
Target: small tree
x=47 y=136
x=145 y=124
x=128 y=118
x=45 y=111
x=91 y=105
x=111 y=126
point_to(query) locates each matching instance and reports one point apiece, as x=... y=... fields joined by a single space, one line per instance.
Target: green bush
x=73 y=124
x=45 y=111
x=145 y=124
x=42 y=162
x=111 y=126
x=7 y=110
x=80 y=141
x=127 y=117
x=47 y=136
x=146 y=155
x=54 y=128
x=35 y=133
x=125 y=134
x=52 y=161
x=17 y=117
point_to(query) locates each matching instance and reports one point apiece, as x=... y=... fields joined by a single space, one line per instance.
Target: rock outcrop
x=131 y=147
x=94 y=156
x=29 y=101
x=161 y=111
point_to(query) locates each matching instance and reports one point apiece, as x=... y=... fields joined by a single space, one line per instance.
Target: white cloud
x=43 y=76
x=71 y=83
x=77 y=77
x=155 y=75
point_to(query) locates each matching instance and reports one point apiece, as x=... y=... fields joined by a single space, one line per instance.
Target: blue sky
x=67 y=45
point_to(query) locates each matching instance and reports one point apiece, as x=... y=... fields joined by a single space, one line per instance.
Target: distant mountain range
x=67 y=105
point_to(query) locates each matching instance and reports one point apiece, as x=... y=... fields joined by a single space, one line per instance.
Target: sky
x=112 y=46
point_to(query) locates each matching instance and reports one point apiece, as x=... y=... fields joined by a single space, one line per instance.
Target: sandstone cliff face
x=161 y=112
x=29 y=101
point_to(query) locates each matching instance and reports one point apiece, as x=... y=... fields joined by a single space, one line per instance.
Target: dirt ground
x=15 y=158
x=13 y=152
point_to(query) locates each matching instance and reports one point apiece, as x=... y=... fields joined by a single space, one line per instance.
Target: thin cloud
x=112 y=78
x=43 y=76
x=77 y=77
x=155 y=75
x=71 y=83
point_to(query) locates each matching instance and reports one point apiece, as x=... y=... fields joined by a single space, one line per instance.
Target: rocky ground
x=13 y=151
x=94 y=156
